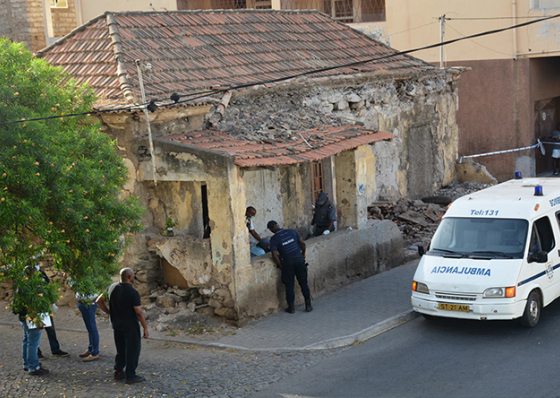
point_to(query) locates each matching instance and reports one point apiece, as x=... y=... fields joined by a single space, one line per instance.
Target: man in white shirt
x=258 y=246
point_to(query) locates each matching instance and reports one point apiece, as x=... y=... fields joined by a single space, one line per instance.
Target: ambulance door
x=554 y=255
x=542 y=238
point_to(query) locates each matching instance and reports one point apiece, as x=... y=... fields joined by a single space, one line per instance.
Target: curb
x=336 y=342
x=365 y=334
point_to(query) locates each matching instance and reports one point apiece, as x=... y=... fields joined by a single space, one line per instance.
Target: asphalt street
x=441 y=358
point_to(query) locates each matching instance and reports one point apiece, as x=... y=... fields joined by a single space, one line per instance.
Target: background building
x=510 y=97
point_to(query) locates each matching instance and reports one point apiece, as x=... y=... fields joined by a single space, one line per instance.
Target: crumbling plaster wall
x=264 y=194
x=419 y=110
x=335 y=260
x=282 y=194
x=229 y=240
x=177 y=199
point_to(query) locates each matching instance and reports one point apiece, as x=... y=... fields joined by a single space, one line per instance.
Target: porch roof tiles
x=319 y=143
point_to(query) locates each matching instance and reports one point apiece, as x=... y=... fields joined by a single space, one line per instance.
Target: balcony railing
x=347 y=11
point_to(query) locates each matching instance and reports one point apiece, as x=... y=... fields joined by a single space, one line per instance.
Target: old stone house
x=267 y=109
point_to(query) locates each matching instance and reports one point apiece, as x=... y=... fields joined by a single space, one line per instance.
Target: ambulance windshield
x=473 y=237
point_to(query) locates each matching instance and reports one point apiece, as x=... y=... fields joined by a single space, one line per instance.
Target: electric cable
x=411 y=29
x=487 y=18
x=280 y=79
x=478 y=44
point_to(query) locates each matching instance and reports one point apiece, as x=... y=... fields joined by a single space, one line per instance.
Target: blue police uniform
x=286 y=243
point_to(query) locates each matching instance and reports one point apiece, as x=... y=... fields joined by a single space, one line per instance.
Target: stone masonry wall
x=419 y=111
x=14 y=21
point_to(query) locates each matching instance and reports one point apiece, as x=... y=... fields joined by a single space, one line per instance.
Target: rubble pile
x=418 y=219
x=178 y=310
x=279 y=127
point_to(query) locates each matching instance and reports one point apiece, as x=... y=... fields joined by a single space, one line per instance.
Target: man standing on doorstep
x=324 y=217
x=125 y=312
x=288 y=252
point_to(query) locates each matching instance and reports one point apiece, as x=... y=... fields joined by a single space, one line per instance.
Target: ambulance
x=495 y=255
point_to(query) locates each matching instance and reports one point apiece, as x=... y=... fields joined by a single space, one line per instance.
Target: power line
x=487 y=18
x=478 y=44
x=315 y=71
x=408 y=30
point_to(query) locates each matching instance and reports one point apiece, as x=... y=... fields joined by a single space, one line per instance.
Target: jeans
x=29 y=346
x=88 y=314
x=294 y=267
x=260 y=248
x=53 y=341
x=128 y=344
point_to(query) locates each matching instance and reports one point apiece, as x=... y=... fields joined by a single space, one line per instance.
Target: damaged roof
x=315 y=144
x=193 y=51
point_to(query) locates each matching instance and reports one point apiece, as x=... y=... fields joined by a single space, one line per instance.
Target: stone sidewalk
x=351 y=314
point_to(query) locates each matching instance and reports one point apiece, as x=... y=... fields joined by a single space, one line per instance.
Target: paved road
x=172 y=370
x=448 y=359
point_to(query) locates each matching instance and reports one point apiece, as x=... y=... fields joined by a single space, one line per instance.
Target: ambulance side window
x=542 y=237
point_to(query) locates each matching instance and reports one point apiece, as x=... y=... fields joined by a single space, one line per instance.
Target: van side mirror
x=538 y=257
x=424 y=247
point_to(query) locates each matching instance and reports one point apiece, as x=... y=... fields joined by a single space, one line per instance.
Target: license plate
x=454 y=307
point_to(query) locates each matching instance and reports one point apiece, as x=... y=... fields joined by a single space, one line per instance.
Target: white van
x=494 y=255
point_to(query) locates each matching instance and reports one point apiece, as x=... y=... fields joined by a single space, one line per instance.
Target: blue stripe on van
x=536 y=276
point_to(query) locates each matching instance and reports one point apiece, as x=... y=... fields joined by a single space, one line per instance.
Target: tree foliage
x=61 y=183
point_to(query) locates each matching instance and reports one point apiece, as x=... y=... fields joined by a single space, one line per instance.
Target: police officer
x=324 y=216
x=288 y=252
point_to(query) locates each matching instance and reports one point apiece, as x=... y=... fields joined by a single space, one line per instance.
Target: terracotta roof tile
x=192 y=50
x=326 y=141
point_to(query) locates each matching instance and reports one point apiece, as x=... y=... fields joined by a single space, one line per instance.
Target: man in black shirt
x=324 y=216
x=125 y=312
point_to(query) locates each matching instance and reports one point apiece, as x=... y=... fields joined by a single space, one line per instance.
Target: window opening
x=347 y=11
x=205 y=217
x=317 y=179
x=58 y=3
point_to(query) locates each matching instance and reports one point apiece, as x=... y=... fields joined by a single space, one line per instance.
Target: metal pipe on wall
x=514 y=31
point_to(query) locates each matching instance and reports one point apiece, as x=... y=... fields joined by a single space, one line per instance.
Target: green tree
x=61 y=183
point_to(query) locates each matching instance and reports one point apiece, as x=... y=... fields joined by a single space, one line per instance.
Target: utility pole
x=442 y=32
x=139 y=67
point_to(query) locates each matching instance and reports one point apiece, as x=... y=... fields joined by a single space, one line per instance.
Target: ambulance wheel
x=532 y=312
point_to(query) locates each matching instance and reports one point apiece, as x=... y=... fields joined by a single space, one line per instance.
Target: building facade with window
x=510 y=97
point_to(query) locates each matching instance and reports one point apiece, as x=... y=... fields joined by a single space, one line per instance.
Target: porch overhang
x=310 y=145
